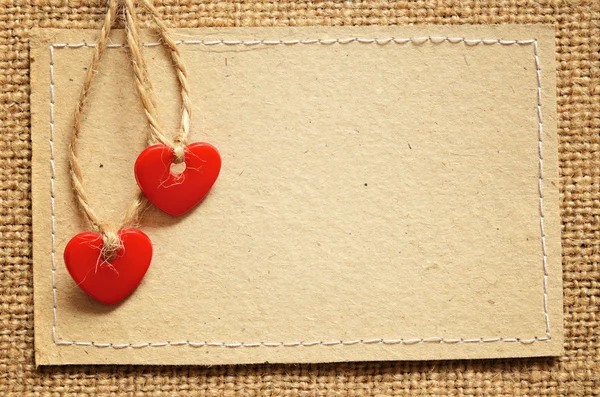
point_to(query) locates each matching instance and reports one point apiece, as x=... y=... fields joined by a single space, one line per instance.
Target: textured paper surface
x=377 y=201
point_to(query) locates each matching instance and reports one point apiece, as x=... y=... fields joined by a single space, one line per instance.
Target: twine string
x=144 y=87
x=110 y=230
x=140 y=71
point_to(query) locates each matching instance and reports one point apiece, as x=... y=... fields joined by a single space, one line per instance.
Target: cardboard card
x=387 y=193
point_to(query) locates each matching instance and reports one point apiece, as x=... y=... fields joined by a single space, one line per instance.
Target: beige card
x=386 y=194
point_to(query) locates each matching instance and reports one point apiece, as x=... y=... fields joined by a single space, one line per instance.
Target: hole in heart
x=177 y=169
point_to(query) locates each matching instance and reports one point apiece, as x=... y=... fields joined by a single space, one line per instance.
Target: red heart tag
x=177 y=194
x=108 y=282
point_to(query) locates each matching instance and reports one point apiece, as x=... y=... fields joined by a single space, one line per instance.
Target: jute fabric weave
x=577 y=373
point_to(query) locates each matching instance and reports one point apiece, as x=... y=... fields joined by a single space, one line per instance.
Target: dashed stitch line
x=413 y=341
x=342 y=41
x=347 y=40
x=52 y=179
x=538 y=71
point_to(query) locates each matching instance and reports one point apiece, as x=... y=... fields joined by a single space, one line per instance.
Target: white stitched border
x=538 y=72
x=413 y=341
x=52 y=179
x=347 y=40
x=342 y=41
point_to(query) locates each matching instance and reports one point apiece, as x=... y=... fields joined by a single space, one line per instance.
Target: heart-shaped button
x=176 y=194
x=108 y=282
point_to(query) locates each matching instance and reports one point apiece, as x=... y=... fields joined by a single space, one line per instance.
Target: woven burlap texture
x=578 y=67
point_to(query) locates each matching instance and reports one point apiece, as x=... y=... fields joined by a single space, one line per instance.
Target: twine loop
x=109 y=231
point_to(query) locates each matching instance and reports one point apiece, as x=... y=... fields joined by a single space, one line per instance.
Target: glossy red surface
x=108 y=282
x=177 y=194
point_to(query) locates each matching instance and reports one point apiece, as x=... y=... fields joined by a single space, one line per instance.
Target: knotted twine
x=109 y=230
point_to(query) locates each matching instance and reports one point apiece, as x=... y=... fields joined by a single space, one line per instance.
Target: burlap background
x=578 y=60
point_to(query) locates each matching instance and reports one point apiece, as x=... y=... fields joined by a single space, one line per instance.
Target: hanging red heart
x=108 y=282
x=173 y=193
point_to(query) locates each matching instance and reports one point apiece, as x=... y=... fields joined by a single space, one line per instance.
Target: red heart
x=177 y=194
x=108 y=282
